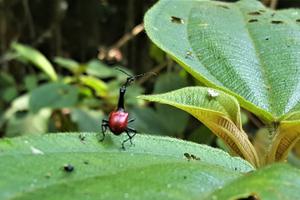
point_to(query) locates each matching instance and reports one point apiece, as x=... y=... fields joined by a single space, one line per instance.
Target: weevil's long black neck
x=122 y=92
x=121 y=98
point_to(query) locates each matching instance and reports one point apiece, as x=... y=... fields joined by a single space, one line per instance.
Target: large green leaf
x=153 y=168
x=35 y=57
x=219 y=111
x=243 y=48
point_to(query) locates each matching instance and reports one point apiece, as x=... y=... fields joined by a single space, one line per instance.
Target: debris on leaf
x=212 y=93
x=36 y=151
x=68 y=168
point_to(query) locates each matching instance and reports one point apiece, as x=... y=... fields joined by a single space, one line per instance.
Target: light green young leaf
x=36 y=58
x=99 y=86
x=67 y=63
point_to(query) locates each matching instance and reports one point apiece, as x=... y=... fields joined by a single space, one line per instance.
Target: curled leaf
x=221 y=114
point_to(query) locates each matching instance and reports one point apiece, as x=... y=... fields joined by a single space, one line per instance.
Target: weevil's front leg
x=104 y=127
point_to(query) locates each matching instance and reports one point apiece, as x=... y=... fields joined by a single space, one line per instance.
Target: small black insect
x=68 y=168
x=118 y=120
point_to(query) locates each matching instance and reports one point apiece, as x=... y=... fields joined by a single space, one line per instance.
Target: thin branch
x=114 y=52
x=266 y=2
x=273 y=4
x=128 y=36
x=29 y=18
x=156 y=70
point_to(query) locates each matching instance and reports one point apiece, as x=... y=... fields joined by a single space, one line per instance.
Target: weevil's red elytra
x=118 y=121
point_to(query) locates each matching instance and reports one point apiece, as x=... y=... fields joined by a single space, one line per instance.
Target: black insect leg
x=104 y=127
x=131 y=120
x=128 y=131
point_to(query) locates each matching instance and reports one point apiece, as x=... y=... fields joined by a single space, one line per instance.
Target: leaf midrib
x=266 y=81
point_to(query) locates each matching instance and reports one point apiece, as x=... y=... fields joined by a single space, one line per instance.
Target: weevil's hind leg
x=128 y=131
x=131 y=130
x=104 y=127
x=131 y=120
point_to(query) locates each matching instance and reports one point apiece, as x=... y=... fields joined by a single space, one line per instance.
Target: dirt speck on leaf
x=177 y=20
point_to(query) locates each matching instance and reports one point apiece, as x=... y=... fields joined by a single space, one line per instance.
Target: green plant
x=244 y=49
x=32 y=167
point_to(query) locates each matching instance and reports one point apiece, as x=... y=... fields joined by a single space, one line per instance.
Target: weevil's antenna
x=131 y=78
x=123 y=71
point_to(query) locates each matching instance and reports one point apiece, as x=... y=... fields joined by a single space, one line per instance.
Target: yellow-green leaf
x=36 y=58
x=219 y=111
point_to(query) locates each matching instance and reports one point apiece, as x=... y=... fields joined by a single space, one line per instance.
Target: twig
x=254 y=120
x=266 y=2
x=29 y=18
x=114 y=52
x=273 y=4
x=128 y=36
x=156 y=70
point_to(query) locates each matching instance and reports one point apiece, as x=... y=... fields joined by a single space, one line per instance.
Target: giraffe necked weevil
x=118 y=119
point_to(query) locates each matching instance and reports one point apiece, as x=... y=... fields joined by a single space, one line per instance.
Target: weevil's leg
x=104 y=127
x=129 y=138
x=131 y=130
x=131 y=120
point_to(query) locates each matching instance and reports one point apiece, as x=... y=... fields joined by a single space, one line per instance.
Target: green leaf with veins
x=243 y=48
x=154 y=168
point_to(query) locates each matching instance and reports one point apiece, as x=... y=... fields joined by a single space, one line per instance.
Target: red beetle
x=118 y=119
